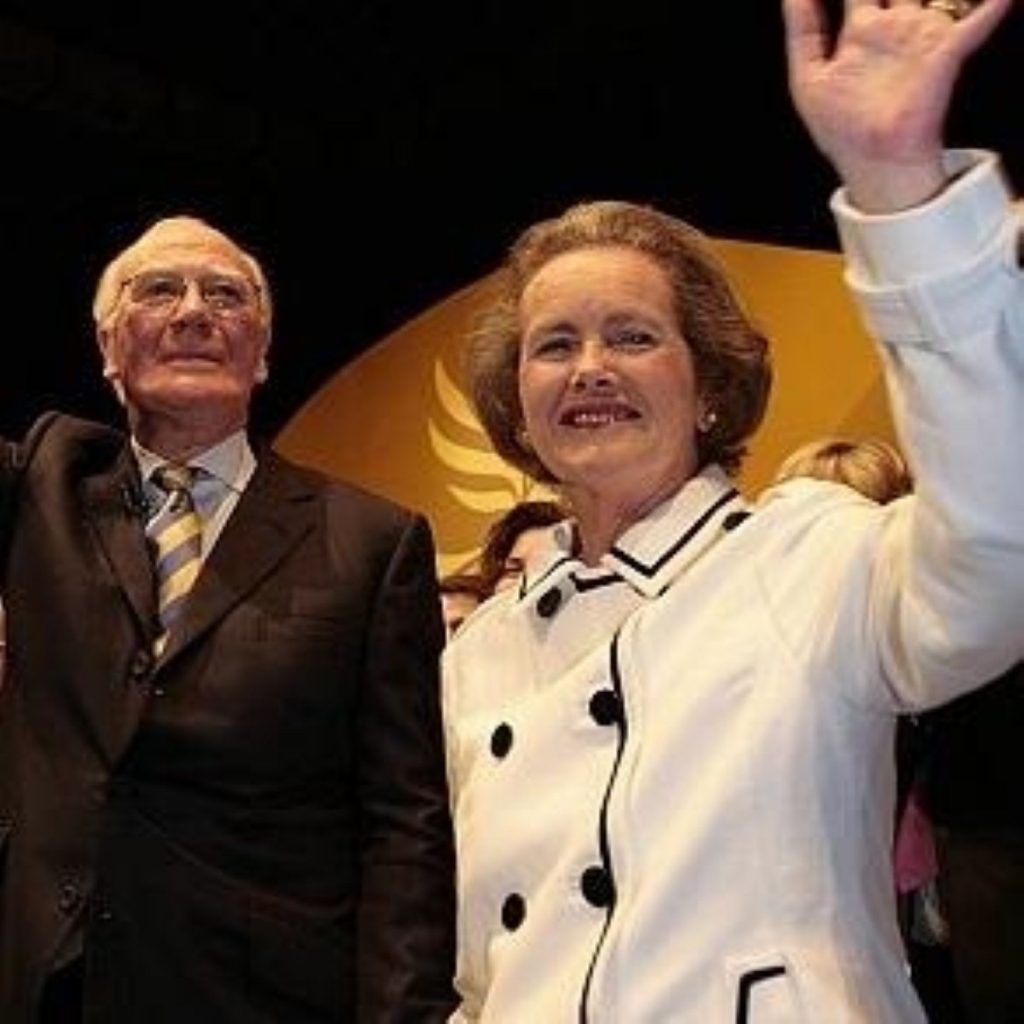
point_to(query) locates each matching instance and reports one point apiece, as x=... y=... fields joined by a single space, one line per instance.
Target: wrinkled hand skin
x=875 y=104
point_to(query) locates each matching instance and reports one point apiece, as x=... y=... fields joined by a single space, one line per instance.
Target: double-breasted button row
x=595 y=884
x=605 y=708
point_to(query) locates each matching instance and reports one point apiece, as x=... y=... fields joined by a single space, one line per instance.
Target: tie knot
x=173 y=478
x=176 y=481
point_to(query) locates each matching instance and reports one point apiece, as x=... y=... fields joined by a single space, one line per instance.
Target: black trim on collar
x=653 y=570
x=526 y=586
x=582 y=586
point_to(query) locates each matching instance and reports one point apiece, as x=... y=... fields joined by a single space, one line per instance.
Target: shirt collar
x=230 y=462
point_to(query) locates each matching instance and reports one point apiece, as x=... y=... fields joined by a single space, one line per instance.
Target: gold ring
x=955 y=9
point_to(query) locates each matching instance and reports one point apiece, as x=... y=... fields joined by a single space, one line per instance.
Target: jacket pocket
x=763 y=990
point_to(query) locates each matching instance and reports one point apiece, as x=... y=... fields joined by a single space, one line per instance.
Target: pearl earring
x=706 y=420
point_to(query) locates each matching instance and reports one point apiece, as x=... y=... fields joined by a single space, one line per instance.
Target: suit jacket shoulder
x=77 y=440
x=370 y=510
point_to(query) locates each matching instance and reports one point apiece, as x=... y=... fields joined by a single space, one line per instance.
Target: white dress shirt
x=227 y=468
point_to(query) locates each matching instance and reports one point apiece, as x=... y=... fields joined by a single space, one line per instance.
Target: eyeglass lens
x=163 y=288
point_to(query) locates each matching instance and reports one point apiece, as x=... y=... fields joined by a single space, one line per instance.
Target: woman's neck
x=602 y=517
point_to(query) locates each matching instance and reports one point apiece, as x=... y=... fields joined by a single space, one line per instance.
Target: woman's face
x=606 y=379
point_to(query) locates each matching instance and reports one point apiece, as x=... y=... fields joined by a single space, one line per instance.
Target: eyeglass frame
x=198 y=279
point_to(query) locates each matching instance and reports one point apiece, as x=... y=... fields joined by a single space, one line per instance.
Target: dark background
x=377 y=156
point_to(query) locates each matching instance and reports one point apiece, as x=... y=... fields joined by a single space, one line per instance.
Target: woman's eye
x=634 y=337
x=553 y=347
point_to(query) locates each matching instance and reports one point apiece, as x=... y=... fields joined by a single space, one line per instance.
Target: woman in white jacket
x=671 y=746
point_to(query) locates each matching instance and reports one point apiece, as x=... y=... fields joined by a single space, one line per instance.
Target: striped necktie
x=175 y=534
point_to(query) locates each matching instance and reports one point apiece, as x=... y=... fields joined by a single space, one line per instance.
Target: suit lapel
x=275 y=511
x=114 y=510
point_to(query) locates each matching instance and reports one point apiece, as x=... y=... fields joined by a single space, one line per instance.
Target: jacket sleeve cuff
x=884 y=250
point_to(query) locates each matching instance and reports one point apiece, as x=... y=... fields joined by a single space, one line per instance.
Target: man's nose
x=191 y=306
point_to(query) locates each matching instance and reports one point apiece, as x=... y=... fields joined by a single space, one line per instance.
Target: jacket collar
x=652 y=552
x=276 y=511
x=114 y=508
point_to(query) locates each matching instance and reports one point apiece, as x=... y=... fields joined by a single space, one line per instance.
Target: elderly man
x=221 y=772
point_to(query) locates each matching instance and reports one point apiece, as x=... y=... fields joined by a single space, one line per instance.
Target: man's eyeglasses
x=164 y=289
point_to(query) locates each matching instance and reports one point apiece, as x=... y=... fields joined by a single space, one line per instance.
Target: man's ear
x=103 y=342
x=262 y=371
x=110 y=369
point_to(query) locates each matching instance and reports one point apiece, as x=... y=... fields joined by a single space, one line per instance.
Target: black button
x=69 y=898
x=734 y=519
x=605 y=707
x=597 y=886
x=501 y=740
x=513 y=911
x=141 y=666
x=549 y=603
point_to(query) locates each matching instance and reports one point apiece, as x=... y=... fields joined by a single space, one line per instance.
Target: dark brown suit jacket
x=253 y=828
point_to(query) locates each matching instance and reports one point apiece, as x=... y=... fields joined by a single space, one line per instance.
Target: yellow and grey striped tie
x=175 y=533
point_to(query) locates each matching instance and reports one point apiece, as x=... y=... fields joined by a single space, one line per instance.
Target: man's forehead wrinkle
x=181 y=252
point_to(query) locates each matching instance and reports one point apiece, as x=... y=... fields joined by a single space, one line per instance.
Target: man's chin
x=193 y=394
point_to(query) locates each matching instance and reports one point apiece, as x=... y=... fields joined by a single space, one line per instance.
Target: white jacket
x=672 y=774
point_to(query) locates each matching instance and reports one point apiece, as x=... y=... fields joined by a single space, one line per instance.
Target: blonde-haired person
x=668 y=746
x=871 y=466
x=235 y=807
